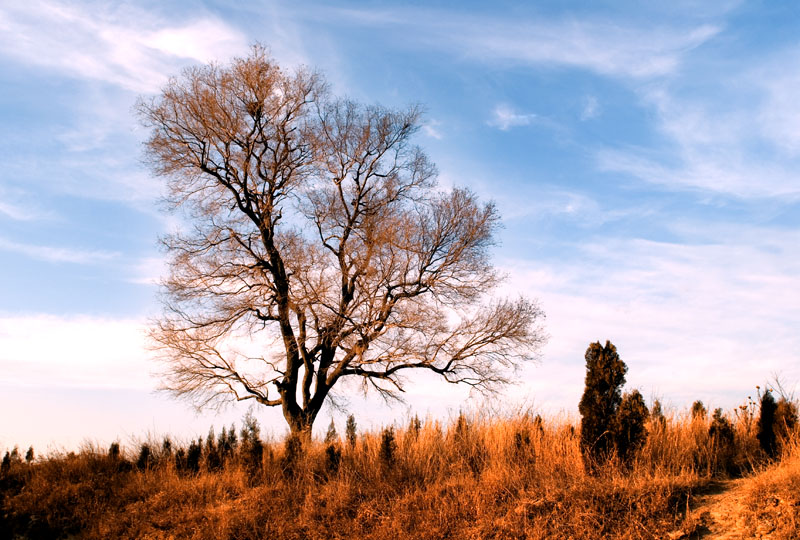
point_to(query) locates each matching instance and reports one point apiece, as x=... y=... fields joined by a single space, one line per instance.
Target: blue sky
x=644 y=160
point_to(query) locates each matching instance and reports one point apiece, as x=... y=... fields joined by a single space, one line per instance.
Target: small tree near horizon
x=602 y=395
x=317 y=248
x=657 y=414
x=331 y=435
x=350 y=431
x=698 y=410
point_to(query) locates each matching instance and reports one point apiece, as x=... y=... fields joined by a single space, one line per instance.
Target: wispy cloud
x=19 y=205
x=591 y=108
x=19 y=212
x=720 y=148
x=15 y=212
x=123 y=46
x=726 y=173
x=720 y=310
x=620 y=49
x=57 y=254
x=504 y=117
x=149 y=271
x=605 y=48
x=544 y=202
x=779 y=115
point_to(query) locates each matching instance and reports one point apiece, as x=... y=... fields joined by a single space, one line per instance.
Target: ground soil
x=718 y=513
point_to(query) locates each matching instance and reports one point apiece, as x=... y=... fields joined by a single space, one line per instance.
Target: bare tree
x=317 y=224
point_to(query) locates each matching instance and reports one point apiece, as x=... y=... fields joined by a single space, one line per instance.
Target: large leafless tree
x=316 y=223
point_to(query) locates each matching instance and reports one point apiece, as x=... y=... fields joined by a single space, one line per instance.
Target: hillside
x=517 y=477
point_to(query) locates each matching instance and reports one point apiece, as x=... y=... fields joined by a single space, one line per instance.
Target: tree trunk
x=300 y=425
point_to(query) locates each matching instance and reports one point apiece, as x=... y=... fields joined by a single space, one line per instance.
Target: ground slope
x=740 y=509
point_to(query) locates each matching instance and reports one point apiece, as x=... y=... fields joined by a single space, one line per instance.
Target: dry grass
x=772 y=501
x=511 y=477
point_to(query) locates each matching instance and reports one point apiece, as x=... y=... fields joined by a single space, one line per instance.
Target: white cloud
x=126 y=47
x=73 y=351
x=504 y=118
x=708 y=320
x=431 y=129
x=57 y=254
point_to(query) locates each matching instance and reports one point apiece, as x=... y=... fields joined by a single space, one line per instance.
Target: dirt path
x=719 y=513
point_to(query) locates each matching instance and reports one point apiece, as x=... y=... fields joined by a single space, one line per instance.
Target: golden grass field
x=499 y=477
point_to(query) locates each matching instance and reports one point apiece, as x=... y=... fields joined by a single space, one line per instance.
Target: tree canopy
x=317 y=247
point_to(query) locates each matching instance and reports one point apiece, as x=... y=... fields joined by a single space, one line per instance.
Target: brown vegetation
x=772 y=499
x=515 y=477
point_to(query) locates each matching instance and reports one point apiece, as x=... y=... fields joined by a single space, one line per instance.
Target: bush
x=785 y=419
x=146 y=460
x=6 y=466
x=333 y=458
x=766 y=424
x=605 y=375
x=630 y=432
x=113 y=451
x=252 y=449
x=721 y=435
x=227 y=443
x=414 y=427
x=350 y=431
x=388 y=448
x=193 y=456
x=331 y=435
x=166 y=447
x=657 y=415
x=698 y=410
x=293 y=451
x=213 y=454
